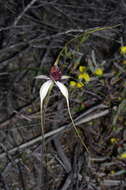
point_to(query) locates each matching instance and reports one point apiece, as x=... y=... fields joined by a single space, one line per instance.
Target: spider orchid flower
x=54 y=79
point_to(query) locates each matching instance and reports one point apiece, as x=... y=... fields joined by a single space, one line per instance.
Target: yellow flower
x=123 y=155
x=98 y=72
x=124 y=62
x=123 y=50
x=73 y=83
x=29 y=110
x=79 y=84
x=113 y=172
x=113 y=140
x=80 y=76
x=82 y=69
x=84 y=76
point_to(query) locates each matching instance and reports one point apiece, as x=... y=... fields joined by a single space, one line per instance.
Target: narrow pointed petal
x=63 y=89
x=65 y=77
x=42 y=77
x=44 y=89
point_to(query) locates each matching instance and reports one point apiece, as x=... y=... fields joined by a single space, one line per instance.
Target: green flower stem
x=82 y=37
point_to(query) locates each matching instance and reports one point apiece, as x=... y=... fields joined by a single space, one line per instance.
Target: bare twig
x=64 y=161
x=24 y=11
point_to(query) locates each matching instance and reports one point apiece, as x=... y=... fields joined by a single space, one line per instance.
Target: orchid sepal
x=42 y=77
x=45 y=89
x=65 y=77
x=63 y=89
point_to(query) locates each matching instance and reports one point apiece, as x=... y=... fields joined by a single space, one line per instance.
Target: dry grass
x=32 y=33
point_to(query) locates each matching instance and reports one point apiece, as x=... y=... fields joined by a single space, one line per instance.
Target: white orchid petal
x=42 y=77
x=43 y=93
x=65 y=77
x=63 y=89
x=44 y=89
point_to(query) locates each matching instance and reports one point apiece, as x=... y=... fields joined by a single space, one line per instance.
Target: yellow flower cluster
x=123 y=50
x=76 y=84
x=84 y=76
